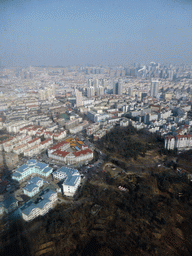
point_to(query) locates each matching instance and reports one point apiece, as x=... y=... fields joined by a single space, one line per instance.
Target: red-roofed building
x=59 y=155
x=180 y=142
x=35 y=141
x=72 y=157
x=48 y=134
x=25 y=129
x=46 y=143
x=63 y=145
x=60 y=135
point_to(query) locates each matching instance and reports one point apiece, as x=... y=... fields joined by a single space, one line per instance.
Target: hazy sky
x=68 y=32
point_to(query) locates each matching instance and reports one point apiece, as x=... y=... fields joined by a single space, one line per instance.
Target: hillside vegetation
x=127 y=142
x=152 y=217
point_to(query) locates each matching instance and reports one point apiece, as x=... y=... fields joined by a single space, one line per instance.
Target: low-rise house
x=92 y=128
x=72 y=157
x=62 y=173
x=59 y=155
x=48 y=134
x=81 y=156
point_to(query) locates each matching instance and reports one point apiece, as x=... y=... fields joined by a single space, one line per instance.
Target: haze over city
x=99 y=32
x=95 y=128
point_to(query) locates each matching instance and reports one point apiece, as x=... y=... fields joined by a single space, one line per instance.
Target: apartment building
x=60 y=135
x=71 y=124
x=46 y=143
x=179 y=142
x=92 y=129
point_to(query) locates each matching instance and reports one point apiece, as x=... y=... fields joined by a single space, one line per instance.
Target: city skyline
x=43 y=33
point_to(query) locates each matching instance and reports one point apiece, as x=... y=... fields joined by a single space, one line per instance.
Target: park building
x=33 y=210
x=71 y=179
x=33 y=186
x=31 y=167
x=8 y=205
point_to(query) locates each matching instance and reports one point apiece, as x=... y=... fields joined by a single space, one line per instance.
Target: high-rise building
x=103 y=82
x=53 y=89
x=96 y=83
x=99 y=91
x=90 y=92
x=79 y=100
x=89 y=82
x=171 y=75
x=47 y=93
x=154 y=88
x=130 y=91
x=42 y=95
x=118 y=87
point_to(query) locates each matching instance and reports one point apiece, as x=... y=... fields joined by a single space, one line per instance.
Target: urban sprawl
x=49 y=114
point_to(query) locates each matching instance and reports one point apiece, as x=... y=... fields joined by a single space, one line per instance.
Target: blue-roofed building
x=8 y=205
x=33 y=186
x=31 y=211
x=31 y=167
x=71 y=179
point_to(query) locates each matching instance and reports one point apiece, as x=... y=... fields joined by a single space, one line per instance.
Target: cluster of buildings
x=179 y=139
x=36 y=174
x=98 y=130
x=71 y=181
x=25 y=144
x=160 y=109
x=40 y=106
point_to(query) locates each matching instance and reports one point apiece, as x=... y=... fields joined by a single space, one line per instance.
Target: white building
x=180 y=142
x=60 y=135
x=71 y=182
